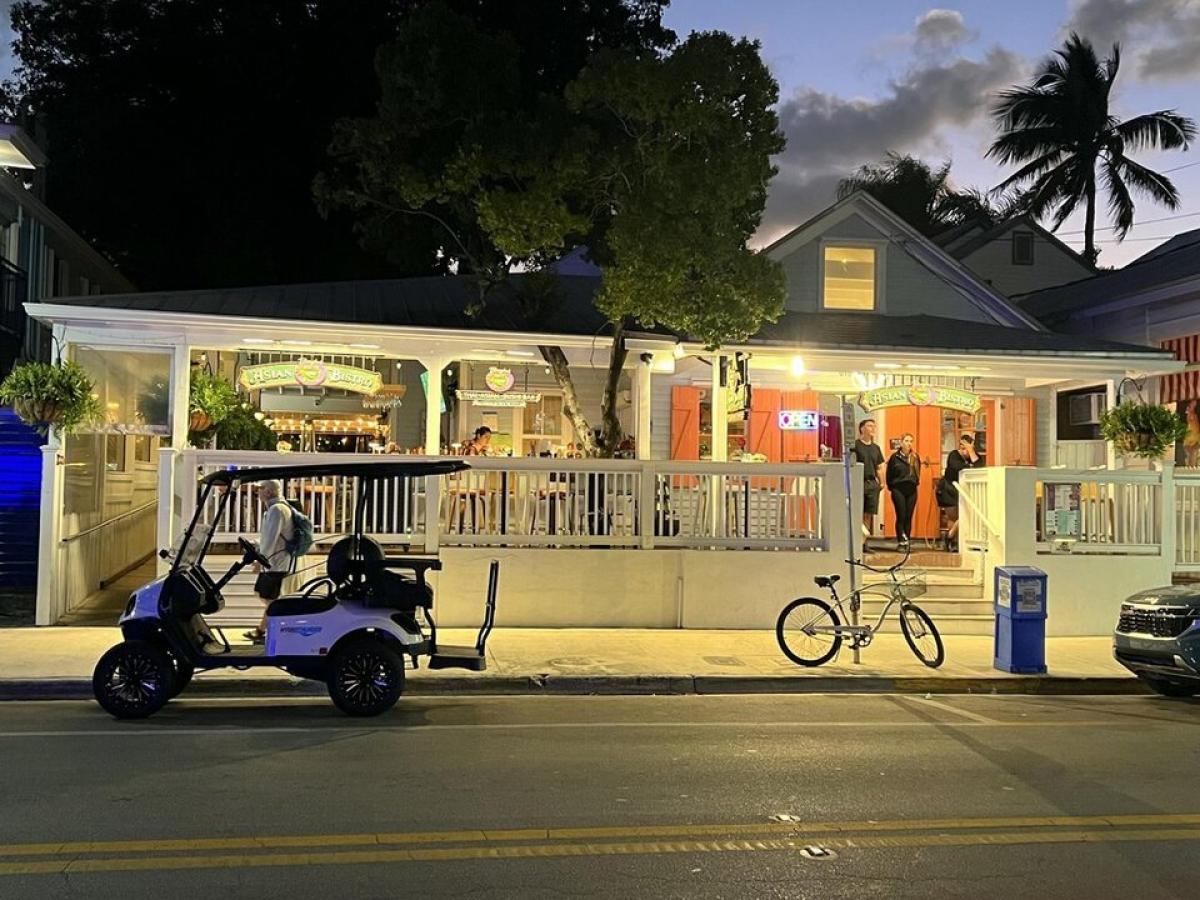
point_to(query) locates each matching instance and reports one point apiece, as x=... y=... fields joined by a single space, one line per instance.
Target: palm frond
x=1165 y=129
x=1153 y=184
x=1031 y=170
x=1120 y=204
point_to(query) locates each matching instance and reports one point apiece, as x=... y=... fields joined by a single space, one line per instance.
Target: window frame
x=880 y=248
x=1032 y=244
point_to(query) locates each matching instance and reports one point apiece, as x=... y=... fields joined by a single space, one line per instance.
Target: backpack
x=302 y=534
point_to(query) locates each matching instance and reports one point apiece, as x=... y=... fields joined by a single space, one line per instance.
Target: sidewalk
x=49 y=663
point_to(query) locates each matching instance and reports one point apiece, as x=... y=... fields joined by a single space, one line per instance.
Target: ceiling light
x=679 y=351
x=887 y=365
x=798 y=366
x=520 y=353
x=365 y=346
x=257 y=341
x=298 y=343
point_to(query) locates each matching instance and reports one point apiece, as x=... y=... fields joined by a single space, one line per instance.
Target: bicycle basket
x=913 y=584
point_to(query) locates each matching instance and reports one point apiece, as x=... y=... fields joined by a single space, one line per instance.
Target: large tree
x=922 y=195
x=1061 y=127
x=656 y=158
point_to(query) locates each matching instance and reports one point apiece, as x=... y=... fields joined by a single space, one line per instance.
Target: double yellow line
x=530 y=843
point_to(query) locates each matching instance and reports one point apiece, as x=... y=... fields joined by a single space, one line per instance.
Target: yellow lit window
x=850 y=278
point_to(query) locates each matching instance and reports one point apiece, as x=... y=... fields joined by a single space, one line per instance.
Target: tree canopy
x=1061 y=127
x=655 y=156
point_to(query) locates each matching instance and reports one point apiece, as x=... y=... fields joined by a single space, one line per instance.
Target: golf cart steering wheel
x=252 y=554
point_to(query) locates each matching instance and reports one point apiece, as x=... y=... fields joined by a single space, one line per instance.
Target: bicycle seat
x=827 y=581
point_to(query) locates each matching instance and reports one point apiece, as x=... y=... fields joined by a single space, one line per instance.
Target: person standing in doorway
x=903 y=476
x=867 y=452
x=964 y=457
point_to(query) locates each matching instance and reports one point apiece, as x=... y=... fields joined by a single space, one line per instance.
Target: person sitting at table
x=478 y=444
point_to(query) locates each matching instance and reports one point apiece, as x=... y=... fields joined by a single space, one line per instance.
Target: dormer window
x=1022 y=248
x=849 y=276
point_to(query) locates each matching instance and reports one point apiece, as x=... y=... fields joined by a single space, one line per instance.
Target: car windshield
x=189 y=555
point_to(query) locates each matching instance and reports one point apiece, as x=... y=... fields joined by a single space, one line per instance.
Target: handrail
x=982 y=516
x=125 y=515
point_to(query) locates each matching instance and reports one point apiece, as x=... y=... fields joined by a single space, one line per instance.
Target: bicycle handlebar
x=877 y=570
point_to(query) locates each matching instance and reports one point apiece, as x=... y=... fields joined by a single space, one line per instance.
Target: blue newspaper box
x=1020 y=606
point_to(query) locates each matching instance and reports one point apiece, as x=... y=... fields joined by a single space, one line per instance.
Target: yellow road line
x=634 y=832
x=544 y=851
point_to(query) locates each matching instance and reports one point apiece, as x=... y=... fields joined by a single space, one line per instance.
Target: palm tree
x=1060 y=126
x=919 y=194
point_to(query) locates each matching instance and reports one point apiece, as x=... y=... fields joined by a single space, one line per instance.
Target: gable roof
x=1143 y=274
x=1178 y=242
x=1025 y=221
x=982 y=295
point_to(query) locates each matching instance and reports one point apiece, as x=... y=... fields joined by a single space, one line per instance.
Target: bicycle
x=810 y=632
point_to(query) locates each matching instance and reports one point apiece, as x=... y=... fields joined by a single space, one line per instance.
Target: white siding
x=1052 y=265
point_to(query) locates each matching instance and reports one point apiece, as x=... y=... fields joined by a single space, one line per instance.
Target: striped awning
x=1182 y=385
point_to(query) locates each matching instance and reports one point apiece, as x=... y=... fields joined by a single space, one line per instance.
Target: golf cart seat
x=385 y=588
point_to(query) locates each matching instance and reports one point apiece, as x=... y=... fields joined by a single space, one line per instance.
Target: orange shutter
x=1020 y=431
x=685 y=422
x=764 y=424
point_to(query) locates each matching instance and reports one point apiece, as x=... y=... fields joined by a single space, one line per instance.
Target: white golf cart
x=350 y=628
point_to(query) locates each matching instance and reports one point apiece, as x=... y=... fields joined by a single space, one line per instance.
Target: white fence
x=1118 y=511
x=518 y=502
x=1187 y=521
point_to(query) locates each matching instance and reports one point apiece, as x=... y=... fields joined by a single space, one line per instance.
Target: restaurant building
x=732 y=496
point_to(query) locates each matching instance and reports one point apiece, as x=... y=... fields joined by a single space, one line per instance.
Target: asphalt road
x=630 y=797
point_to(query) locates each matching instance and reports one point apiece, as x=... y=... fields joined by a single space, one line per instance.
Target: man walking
x=277 y=529
x=867 y=452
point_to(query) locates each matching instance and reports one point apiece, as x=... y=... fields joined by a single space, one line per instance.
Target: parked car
x=1158 y=639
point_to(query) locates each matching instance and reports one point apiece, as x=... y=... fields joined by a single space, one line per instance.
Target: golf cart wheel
x=133 y=680
x=366 y=677
x=1171 y=688
x=184 y=671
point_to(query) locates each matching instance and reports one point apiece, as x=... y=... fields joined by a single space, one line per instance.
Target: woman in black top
x=903 y=475
x=964 y=457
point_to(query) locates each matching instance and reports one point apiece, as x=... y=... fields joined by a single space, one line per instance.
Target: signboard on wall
x=1060 y=509
x=799 y=420
x=498 y=380
x=310 y=373
x=920 y=395
x=489 y=398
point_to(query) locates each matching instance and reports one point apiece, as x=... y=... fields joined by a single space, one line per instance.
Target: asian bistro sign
x=310 y=373
x=920 y=395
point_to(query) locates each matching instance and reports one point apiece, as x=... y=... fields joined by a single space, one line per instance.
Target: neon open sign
x=798 y=420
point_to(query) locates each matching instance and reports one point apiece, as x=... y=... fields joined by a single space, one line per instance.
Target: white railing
x=974 y=523
x=1119 y=511
x=544 y=503
x=1187 y=521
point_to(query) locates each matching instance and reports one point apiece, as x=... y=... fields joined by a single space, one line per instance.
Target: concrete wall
x=1052 y=265
x=1084 y=590
x=909 y=288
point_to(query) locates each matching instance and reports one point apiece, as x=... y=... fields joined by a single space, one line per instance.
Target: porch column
x=48 y=606
x=181 y=382
x=720 y=416
x=433 y=402
x=1110 y=453
x=644 y=397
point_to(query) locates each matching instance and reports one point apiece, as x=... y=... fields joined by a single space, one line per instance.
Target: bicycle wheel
x=922 y=635
x=797 y=635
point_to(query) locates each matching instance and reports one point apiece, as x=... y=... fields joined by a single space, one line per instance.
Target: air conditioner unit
x=1086 y=409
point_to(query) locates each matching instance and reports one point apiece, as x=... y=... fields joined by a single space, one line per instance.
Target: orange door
x=924 y=423
x=764 y=435
x=685 y=422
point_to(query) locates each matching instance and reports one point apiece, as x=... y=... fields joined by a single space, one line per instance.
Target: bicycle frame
x=894 y=594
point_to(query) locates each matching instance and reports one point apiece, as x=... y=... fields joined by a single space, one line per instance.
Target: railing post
x=165 y=527
x=433 y=513
x=1168 y=515
x=648 y=506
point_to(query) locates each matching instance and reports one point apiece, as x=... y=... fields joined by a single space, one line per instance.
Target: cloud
x=940 y=30
x=830 y=135
x=1162 y=37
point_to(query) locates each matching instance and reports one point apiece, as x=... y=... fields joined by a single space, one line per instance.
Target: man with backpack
x=286 y=535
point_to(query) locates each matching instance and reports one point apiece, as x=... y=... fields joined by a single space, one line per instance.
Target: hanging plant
x=210 y=401
x=45 y=394
x=1142 y=429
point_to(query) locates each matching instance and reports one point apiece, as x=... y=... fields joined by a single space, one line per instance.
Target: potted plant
x=1142 y=429
x=210 y=401
x=45 y=395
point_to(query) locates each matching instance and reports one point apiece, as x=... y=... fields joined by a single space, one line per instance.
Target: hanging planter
x=47 y=395
x=210 y=401
x=1145 y=430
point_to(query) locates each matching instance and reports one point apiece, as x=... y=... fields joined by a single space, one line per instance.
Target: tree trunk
x=1090 y=253
x=611 y=433
x=562 y=374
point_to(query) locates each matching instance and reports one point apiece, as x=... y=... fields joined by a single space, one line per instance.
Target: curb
x=15 y=689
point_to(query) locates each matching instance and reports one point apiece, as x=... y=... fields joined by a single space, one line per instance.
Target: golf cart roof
x=413 y=469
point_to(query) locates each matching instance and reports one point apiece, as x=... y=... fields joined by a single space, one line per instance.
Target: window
x=850 y=278
x=1022 y=248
